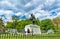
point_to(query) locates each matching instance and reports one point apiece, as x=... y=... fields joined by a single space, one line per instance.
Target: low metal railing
x=22 y=36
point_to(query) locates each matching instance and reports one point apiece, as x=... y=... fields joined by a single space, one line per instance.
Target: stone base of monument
x=32 y=29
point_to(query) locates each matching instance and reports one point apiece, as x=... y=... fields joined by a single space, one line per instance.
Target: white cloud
x=7 y=14
x=6 y=3
x=18 y=14
x=19 y=8
x=28 y=4
x=49 y=2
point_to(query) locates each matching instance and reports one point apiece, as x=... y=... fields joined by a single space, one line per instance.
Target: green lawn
x=21 y=36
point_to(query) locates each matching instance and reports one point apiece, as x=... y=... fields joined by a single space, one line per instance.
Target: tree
x=15 y=21
x=1 y=24
x=23 y=23
x=15 y=18
x=9 y=25
x=14 y=24
x=56 y=22
x=46 y=24
x=38 y=21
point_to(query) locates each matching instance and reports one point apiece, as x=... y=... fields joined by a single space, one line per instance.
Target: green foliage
x=56 y=22
x=23 y=23
x=55 y=28
x=1 y=24
x=46 y=24
x=18 y=25
x=15 y=18
x=15 y=21
x=38 y=21
x=9 y=25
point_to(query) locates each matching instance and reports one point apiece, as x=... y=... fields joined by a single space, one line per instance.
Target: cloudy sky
x=42 y=9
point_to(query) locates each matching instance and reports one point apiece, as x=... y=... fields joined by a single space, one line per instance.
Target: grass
x=21 y=36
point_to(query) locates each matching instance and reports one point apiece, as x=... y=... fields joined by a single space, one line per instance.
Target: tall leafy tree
x=23 y=23
x=38 y=21
x=1 y=24
x=15 y=21
x=46 y=24
x=9 y=25
x=56 y=21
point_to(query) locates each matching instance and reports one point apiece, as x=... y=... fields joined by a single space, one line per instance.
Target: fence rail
x=21 y=36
